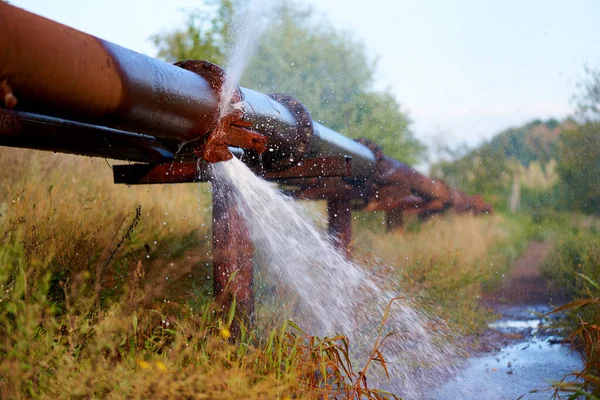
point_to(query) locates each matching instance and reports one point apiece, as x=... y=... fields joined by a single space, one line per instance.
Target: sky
x=464 y=70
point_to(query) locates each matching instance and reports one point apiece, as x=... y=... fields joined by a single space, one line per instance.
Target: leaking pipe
x=58 y=71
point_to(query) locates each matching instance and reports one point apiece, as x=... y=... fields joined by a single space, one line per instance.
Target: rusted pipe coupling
x=304 y=132
x=229 y=129
x=377 y=152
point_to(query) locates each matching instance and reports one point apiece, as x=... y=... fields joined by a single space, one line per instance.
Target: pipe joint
x=226 y=130
x=304 y=131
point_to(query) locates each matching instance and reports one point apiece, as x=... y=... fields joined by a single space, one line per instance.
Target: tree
x=325 y=69
x=206 y=35
x=589 y=100
x=483 y=170
x=579 y=167
x=579 y=151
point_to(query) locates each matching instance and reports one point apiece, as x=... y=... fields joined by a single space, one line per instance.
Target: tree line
x=547 y=164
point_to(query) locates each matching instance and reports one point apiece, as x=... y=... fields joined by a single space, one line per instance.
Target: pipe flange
x=304 y=124
x=228 y=128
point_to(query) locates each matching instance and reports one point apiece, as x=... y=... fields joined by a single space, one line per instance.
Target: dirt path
x=525 y=285
x=514 y=357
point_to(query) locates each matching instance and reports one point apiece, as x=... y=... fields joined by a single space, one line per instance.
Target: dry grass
x=70 y=204
x=100 y=300
x=105 y=293
x=69 y=187
x=169 y=351
x=448 y=263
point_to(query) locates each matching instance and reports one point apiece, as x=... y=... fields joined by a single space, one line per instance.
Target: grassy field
x=106 y=290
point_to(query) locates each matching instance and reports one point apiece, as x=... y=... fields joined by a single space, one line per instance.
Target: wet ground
x=526 y=359
x=521 y=357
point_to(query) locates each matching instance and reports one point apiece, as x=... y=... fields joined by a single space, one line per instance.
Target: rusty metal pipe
x=55 y=70
x=59 y=71
x=395 y=173
x=327 y=141
x=271 y=118
x=63 y=73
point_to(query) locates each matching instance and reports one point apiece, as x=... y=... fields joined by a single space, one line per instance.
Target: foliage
x=199 y=40
x=481 y=171
x=166 y=351
x=579 y=167
x=534 y=141
x=518 y=154
x=577 y=252
x=589 y=100
x=327 y=70
x=585 y=336
x=98 y=300
x=574 y=266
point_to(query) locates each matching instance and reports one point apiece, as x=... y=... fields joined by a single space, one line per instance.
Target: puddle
x=518 y=367
x=511 y=325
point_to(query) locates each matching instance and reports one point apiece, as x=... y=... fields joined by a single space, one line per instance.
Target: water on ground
x=522 y=358
x=526 y=359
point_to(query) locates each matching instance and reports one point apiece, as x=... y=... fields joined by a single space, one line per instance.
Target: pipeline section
x=79 y=94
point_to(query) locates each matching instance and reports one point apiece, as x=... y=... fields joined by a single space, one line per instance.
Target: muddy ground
x=526 y=285
x=523 y=292
x=517 y=357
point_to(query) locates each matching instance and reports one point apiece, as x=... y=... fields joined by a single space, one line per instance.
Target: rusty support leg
x=394 y=221
x=232 y=253
x=340 y=222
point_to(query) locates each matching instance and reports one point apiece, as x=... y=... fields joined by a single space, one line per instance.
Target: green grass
x=105 y=290
x=126 y=350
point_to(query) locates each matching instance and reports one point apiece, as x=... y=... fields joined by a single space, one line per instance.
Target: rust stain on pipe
x=6 y=94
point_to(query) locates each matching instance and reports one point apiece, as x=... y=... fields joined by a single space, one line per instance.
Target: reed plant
x=583 y=326
x=575 y=264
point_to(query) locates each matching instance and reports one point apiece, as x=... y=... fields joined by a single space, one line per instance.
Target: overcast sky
x=463 y=69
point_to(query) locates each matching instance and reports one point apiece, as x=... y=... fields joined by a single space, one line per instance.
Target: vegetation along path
x=526 y=286
x=519 y=357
